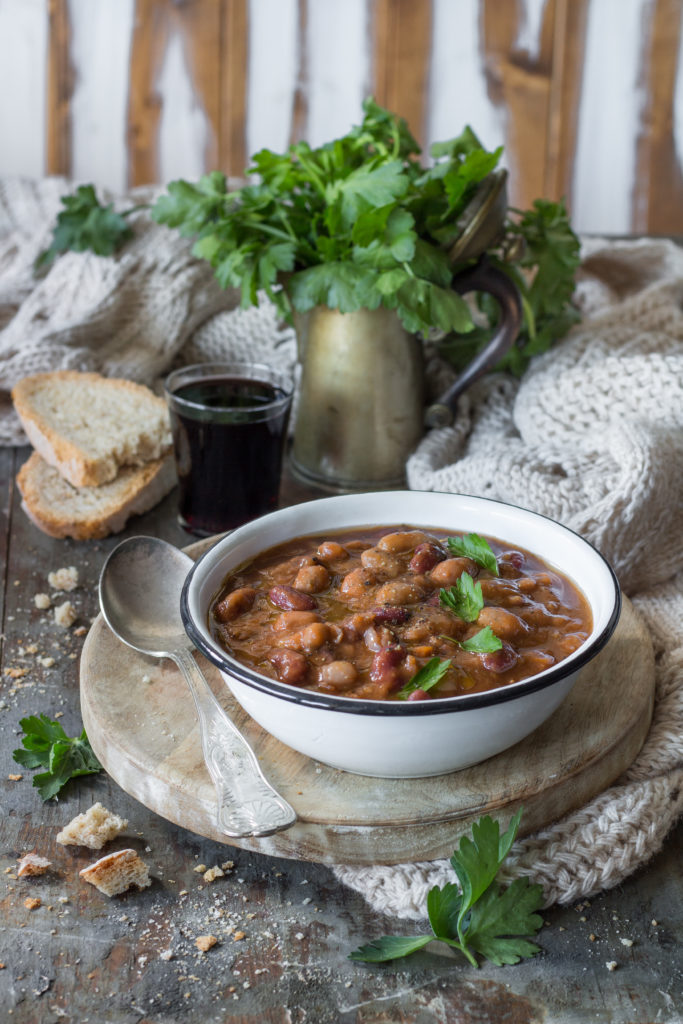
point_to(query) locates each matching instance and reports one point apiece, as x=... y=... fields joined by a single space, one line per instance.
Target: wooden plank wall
x=585 y=95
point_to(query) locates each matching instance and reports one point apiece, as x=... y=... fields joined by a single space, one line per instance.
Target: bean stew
x=398 y=612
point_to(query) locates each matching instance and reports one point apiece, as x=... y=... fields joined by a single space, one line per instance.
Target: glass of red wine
x=229 y=423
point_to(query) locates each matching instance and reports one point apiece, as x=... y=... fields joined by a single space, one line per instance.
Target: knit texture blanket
x=592 y=436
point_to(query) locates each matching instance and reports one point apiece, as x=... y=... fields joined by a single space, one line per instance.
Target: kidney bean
x=397 y=543
x=357 y=583
x=500 y=661
x=308 y=639
x=504 y=624
x=329 y=552
x=448 y=572
x=510 y=564
x=234 y=604
x=290 y=599
x=337 y=675
x=378 y=637
x=291 y=666
x=397 y=592
x=355 y=625
x=289 y=621
x=426 y=557
x=381 y=561
x=311 y=579
x=396 y=615
x=385 y=670
x=286 y=571
x=419 y=695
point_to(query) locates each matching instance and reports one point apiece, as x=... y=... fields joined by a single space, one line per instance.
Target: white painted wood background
x=611 y=116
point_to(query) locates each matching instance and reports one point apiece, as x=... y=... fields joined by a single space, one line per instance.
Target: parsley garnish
x=483 y=642
x=475 y=547
x=85 y=224
x=479 y=916
x=426 y=677
x=465 y=598
x=47 y=746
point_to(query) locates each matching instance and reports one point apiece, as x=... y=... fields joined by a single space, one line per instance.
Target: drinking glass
x=229 y=423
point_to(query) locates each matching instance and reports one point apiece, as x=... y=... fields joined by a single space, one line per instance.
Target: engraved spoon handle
x=247 y=804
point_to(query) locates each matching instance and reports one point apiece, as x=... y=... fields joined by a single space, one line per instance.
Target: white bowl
x=403 y=739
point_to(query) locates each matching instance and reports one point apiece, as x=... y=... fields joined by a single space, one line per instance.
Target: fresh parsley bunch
x=479 y=915
x=47 y=746
x=360 y=223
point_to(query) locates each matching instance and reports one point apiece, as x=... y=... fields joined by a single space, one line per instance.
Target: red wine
x=228 y=434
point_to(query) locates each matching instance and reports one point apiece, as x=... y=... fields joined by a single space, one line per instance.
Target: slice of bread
x=88 y=513
x=88 y=426
x=117 y=872
x=93 y=828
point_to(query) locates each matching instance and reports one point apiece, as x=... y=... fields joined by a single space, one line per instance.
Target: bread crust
x=75 y=464
x=107 y=508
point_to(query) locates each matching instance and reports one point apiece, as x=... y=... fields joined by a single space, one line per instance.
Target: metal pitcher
x=361 y=404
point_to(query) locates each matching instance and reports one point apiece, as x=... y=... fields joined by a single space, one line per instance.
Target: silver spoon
x=140 y=589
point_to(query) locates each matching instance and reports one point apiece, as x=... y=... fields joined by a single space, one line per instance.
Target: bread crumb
x=627 y=942
x=15 y=778
x=200 y=869
x=213 y=873
x=46 y=662
x=32 y=649
x=32 y=903
x=65 y=614
x=611 y=965
x=227 y=865
x=64 y=579
x=16 y=673
x=42 y=601
x=654 y=923
x=117 y=872
x=32 y=864
x=2 y=967
x=93 y=828
x=166 y=954
x=205 y=942
x=239 y=935
x=81 y=631
x=592 y=937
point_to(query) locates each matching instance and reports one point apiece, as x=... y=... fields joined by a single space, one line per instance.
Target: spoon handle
x=247 y=804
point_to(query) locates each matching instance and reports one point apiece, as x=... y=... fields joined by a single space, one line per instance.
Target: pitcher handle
x=481 y=278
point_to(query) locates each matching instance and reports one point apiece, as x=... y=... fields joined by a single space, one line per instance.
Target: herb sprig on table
x=47 y=746
x=478 y=916
x=85 y=224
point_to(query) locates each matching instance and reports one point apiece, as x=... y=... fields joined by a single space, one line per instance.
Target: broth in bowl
x=398 y=613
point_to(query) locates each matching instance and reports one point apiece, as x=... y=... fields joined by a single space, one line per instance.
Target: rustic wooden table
x=82 y=957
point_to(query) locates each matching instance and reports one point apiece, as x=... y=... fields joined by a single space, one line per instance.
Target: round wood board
x=139 y=717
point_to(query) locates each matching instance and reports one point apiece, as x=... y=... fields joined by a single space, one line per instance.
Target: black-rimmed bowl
x=403 y=739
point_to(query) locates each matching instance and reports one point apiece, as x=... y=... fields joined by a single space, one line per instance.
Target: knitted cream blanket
x=591 y=436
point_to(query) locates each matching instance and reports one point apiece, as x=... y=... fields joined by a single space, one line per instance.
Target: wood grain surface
x=101 y=960
x=139 y=716
x=536 y=77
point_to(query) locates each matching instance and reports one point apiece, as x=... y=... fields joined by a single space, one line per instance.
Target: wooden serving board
x=139 y=717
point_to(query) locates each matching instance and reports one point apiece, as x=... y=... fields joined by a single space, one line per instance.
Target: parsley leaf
x=465 y=598
x=475 y=547
x=500 y=917
x=483 y=642
x=85 y=224
x=479 y=915
x=390 y=947
x=425 y=678
x=46 y=745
